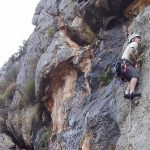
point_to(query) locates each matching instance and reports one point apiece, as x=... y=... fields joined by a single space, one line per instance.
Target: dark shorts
x=132 y=72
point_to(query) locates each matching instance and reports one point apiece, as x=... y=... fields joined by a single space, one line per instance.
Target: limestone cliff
x=59 y=92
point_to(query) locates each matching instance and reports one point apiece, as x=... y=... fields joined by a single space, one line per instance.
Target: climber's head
x=135 y=38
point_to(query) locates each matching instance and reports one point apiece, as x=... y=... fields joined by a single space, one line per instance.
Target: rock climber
x=131 y=72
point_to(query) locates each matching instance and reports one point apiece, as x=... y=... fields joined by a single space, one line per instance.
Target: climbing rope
x=129 y=145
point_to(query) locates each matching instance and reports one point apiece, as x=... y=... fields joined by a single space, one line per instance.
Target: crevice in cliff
x=98 y=14
x=74 y=37
x=20 y=144
x=83 y=67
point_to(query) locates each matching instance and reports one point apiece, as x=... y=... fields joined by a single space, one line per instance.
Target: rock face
x=135 y=129
x=6 y=142
x=59 y=91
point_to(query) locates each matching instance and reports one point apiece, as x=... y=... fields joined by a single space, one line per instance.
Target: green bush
x=21 y=52
x=106 y=77
x=50 y=31
x=43 y=141
x=29 y=88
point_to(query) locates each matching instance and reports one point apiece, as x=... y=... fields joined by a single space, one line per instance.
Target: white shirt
x=131 y=48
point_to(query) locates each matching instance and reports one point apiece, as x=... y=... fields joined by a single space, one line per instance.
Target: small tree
x=30 y=89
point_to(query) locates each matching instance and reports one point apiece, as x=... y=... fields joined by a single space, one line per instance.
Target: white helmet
x=133 y=36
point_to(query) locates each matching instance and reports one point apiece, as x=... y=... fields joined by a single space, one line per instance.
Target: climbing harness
x=120 y=69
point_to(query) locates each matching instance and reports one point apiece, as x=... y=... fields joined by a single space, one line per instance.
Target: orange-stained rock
x=62 y=87
x=136 y=7
x=85 y=66
x=111 y=147
x=50 y=105
x=17 y=148
x=86 y=143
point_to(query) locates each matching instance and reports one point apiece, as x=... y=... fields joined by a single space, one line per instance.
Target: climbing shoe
x=127 y=96
x=133 y=95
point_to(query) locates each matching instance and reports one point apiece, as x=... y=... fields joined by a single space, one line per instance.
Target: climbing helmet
x=133 y=36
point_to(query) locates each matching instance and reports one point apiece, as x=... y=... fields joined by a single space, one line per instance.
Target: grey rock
x=101 y=115
x=6 y=142
x=57 y=52
x=20 y=123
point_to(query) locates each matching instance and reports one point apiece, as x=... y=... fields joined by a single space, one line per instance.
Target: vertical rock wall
x=135 y=129
x=68 y=61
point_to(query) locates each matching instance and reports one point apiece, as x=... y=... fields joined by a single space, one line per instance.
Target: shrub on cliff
x=29 y=88
x=106 y=77
x=8 y=94
x=21 y=52
x=43 y=141
x=50 y=31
